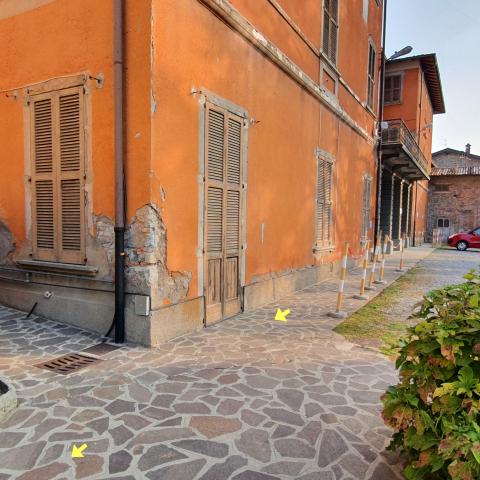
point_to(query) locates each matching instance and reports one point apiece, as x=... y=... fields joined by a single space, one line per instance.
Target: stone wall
x=457 y=200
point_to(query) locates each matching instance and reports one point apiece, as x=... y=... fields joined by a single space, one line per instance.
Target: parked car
x=462 y=241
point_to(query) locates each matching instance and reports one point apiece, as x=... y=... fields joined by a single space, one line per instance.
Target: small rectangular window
x=443 y=223
x=393 y=88
x=324 y=234
x=441 y=188
x=330 y=29
x=57 y=181
x=372 y=61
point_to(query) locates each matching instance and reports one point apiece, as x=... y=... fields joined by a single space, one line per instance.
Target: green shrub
x=435 y=409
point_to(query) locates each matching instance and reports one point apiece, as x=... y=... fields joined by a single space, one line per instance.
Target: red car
x=462 y=241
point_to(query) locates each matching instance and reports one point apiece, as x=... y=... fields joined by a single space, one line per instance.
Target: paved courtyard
x=247 y=399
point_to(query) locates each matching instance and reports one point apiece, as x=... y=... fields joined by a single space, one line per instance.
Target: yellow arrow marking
x=77 y=451
x=282 y=316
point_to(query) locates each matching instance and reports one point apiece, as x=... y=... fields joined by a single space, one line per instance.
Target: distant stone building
x=453 y=191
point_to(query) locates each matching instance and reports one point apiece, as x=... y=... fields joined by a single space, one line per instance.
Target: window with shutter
x=223 y=154
x=57 y=152
x=330 y=29
x=393 y=88
x=324 y=234
x=366 y=207
x=372 y=54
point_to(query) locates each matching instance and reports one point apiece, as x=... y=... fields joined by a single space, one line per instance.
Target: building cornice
x=224 y=10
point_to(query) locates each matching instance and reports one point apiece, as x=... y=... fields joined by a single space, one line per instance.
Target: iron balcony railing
x=398 y=133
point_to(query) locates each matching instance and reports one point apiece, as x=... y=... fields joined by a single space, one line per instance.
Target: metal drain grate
x=101 y=349
x=68 y=363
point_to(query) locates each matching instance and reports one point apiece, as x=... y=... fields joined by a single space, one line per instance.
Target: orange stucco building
x=249 y=147
x=413 y=95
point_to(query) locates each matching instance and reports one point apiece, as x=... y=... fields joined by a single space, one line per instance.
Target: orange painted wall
x=425 y=121
x=281 y=148
x=268 y=21
x=191 y=47
x=415 y=108
x=58 y=28
x=63 y=38
x=407 y=109
x=416 y=111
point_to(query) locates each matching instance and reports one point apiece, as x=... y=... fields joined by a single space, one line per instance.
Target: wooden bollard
x=361 y=295
x=382 y=264
x=402 y=246
x=339 y=313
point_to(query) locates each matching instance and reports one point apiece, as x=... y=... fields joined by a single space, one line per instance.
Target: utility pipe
x=118 y=21
x=381 y=102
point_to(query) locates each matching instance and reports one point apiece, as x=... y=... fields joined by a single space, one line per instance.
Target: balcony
x=401 y=153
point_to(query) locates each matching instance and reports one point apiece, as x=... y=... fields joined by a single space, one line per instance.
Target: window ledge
x=328 y=248
x=39 y=265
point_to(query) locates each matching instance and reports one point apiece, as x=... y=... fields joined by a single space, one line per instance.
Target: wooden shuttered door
x=324 y=203
x=223 y=212
x=366 y=205
x=330 y=29
x=57 y=151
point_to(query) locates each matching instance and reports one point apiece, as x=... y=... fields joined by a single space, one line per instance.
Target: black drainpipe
x=381 y=101
x=118 y=15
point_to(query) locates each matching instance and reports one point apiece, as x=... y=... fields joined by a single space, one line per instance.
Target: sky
x=451 y=29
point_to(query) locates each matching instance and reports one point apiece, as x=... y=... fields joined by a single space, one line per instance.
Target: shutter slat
x=333 y=42
x=215 y=147
x=70 y=141
x=234 y=152
x=330 y=29
x=334 y=9
x=324 y=203
x=326 y=33
x=233 y=220
x=71 y=215
x=43 y=136
x=71 y=179
x=215 y=219
x=45 y=227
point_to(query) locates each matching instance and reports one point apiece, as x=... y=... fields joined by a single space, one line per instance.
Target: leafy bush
x=435 y=409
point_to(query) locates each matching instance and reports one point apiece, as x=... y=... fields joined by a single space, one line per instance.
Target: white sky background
x=451 y=29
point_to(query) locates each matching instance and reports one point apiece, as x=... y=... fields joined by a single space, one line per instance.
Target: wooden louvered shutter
x=367 y=193
x=214 y=181
x=232 y=231
x=71 y=177
x=371 y=76
x=330 y=29
x=58 y=176
x=43 y=179
x=324 y=203
x=223 y=216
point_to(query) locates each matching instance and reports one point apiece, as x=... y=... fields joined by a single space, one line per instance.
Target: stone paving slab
x=246 y=399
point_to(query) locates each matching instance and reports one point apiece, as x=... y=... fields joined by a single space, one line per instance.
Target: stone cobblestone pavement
x=246 y=399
